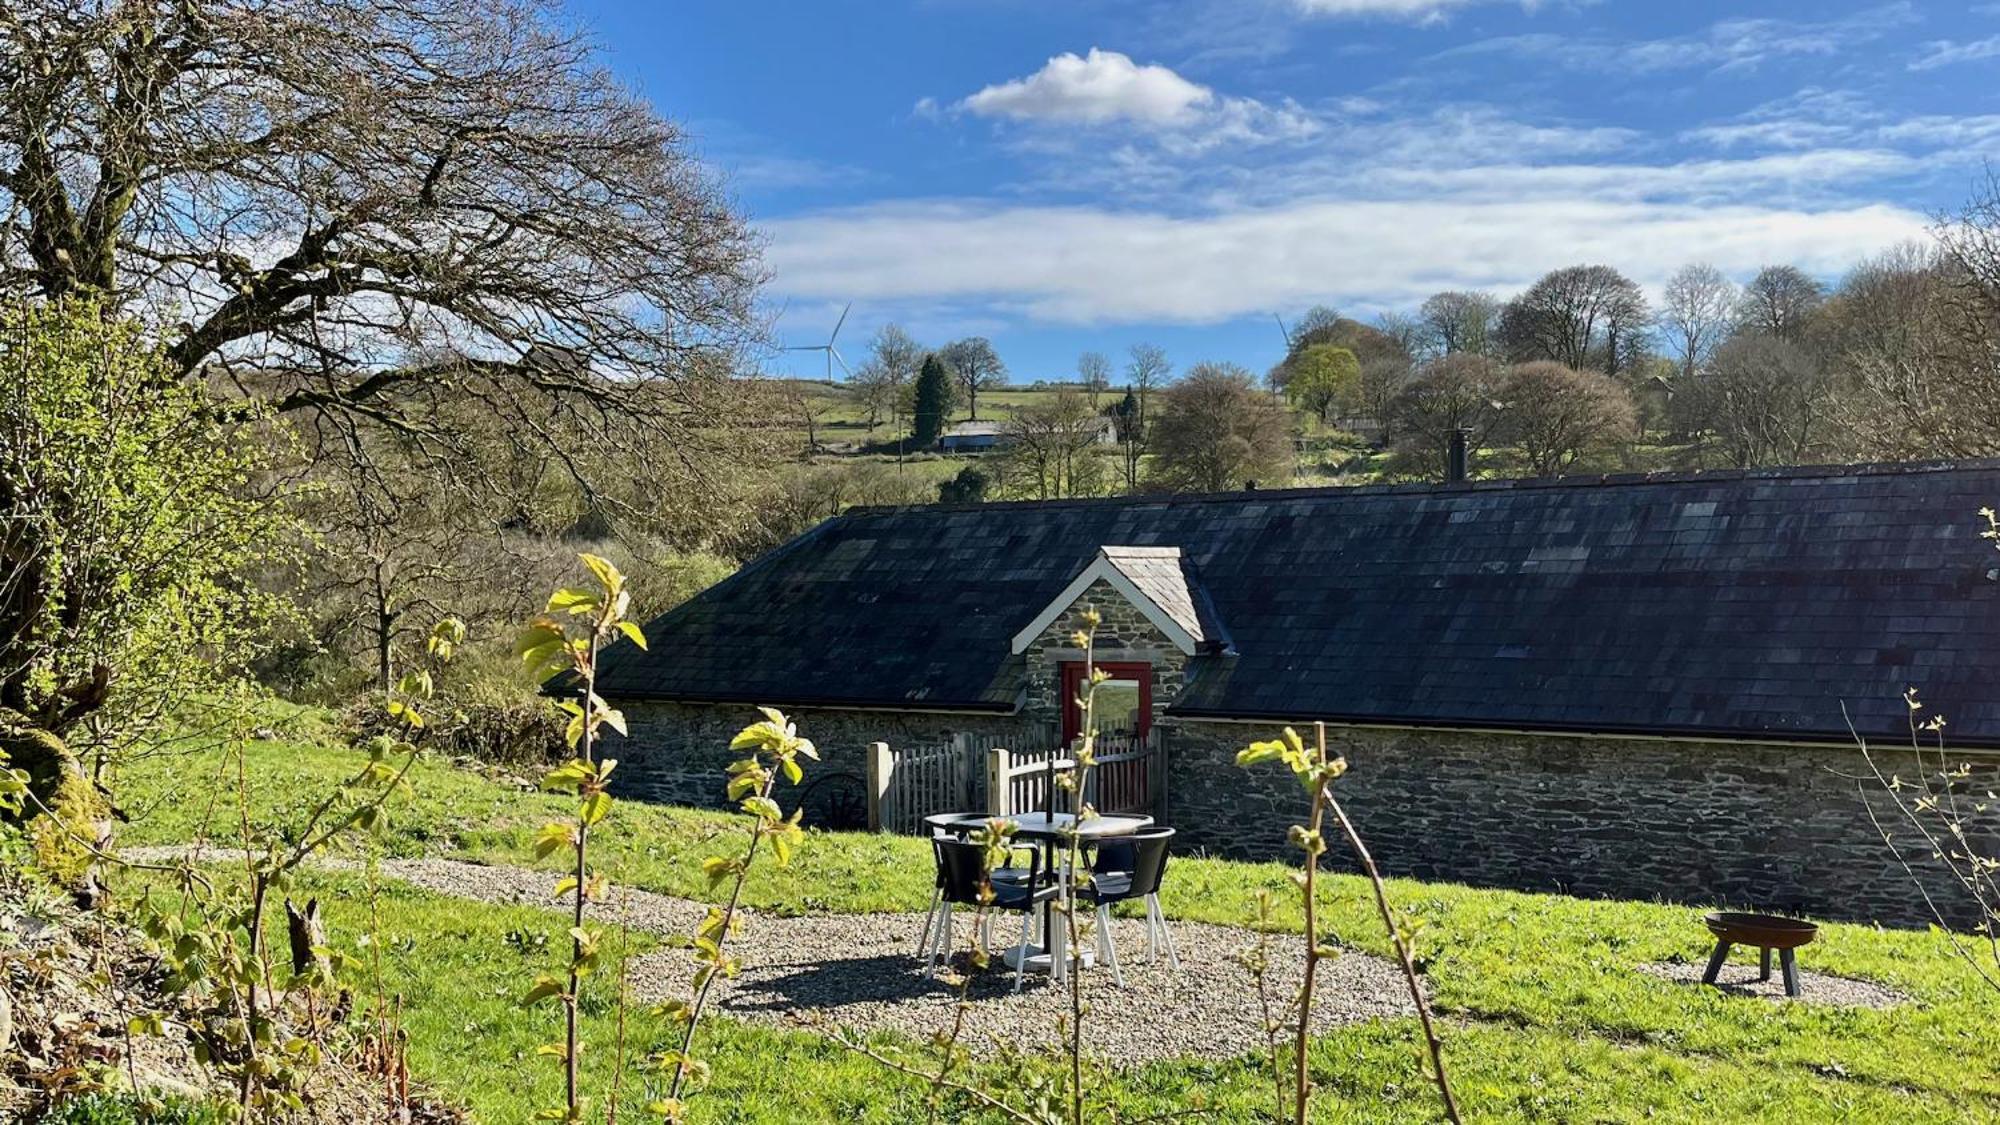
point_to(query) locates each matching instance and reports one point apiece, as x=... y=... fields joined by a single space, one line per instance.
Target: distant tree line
x=1898 y=359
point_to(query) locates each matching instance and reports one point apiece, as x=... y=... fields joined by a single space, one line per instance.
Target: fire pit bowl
x=1770 y=931
x=1765 y=931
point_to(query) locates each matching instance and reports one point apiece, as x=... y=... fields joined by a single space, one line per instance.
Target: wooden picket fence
x=1002 y=775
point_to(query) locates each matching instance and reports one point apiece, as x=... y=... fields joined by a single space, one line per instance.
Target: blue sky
x=1063 y=175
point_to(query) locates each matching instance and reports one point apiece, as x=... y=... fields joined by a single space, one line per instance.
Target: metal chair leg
x=930 y=917
x=1106 y=948
x=1152 y=936
x=1166 y=935
x=1021 y=951
x=943 y=944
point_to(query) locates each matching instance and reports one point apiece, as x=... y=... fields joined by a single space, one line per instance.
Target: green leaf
x=596 y=807
x=568 y=777
x=607 y=575
x=552 y=838
x=537 y=636
x=633 y=633
x=545 y=987
x=1259 y=752
x=613 y=718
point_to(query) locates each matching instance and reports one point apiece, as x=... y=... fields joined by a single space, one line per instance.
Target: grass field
x=1546 y=1018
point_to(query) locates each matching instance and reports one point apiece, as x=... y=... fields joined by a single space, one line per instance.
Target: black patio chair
x=958 y=826
x=1131 y=867
x=960 y=881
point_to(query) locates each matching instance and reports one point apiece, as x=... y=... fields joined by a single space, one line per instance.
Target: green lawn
x=1545 y=1017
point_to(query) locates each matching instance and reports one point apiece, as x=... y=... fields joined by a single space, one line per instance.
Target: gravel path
x=1814 y=988
x=860 y=971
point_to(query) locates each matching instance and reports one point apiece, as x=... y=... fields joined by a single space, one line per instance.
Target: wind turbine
x=832 y=353
x=1283 y=331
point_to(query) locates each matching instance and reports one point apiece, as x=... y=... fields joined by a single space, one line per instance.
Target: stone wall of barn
x=1782 y=828
x=1773 y=828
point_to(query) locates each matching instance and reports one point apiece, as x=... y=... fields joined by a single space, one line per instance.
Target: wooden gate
x=1003 y=775
x=906 y=785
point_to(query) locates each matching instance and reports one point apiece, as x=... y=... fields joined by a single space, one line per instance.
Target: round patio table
x=1051 y=830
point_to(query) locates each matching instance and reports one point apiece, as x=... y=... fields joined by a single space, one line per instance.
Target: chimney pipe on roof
x=1455 y=456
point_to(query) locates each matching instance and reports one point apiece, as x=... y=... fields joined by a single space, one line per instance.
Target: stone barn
x=1638 y=686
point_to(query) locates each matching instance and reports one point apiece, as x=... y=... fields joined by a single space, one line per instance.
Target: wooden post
x=881 y=769
x=964 y=770
x=999 y=767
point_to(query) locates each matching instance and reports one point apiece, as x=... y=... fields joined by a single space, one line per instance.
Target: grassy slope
x=1551 y=1023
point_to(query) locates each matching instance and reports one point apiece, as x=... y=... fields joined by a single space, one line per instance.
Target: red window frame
x=1071 y=682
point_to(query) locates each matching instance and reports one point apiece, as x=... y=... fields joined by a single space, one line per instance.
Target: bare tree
x=976 y=366
x=1216 y=430
x=1762 y=401
x=1913 y=334
x=1697 y=311
x=1145 y=370
x=384 y=566
x=1457 y=321
x=810 y=403
x=1937 y=391
x=1453 y=392
x=1407 y=331
x=1052 y=448
x=1093 y=370
x=884 y=378
x=1779 y=302
x=1560 y=417
x=368 y=208
x=1579 y=316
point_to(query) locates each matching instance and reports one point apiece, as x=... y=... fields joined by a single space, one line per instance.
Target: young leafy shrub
x=771 y=749
x=565 y=641
x=1316 y=771
x=214 y=942
x=131 y=523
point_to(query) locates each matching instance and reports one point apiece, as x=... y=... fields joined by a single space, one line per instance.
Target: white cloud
x=1945 y=52
x=1096 y=265
x=1105 y=88
x=1421 y=11
x=1095 y=89
x=1730 y=44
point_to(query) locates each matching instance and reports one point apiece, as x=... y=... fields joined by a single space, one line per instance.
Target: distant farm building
x=978 y=437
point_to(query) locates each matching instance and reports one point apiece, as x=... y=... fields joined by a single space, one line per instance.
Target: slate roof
x=1164 y=575
x=1736 y=604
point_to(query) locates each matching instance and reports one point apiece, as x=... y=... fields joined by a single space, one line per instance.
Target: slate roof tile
x=1730 y=603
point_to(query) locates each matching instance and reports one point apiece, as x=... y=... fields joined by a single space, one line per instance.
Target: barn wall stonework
x=1775 y=828
x=1744 y=825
